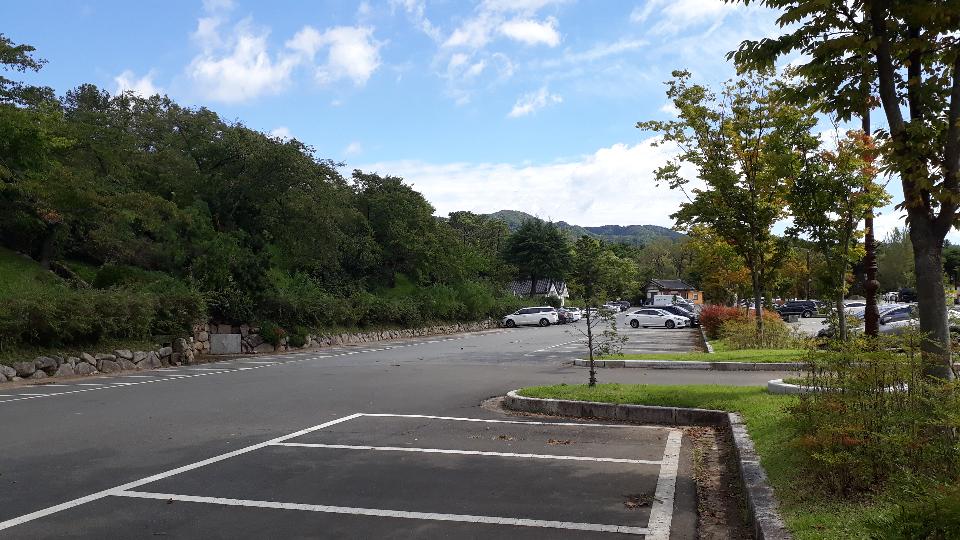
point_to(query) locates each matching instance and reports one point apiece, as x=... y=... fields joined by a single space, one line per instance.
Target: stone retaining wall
x=184 y=351
x=251 y=342
x=179 y=353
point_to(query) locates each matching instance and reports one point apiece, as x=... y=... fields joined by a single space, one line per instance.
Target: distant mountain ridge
x=624 y=234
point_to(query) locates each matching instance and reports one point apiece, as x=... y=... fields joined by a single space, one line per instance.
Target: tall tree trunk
x=757 y=303
x=593 y=370
x=47 y=246
x=841 y=318
x=931 y=300
x=533 y=285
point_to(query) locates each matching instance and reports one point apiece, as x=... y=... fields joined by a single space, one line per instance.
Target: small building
x=543 y=287
x=672 y=286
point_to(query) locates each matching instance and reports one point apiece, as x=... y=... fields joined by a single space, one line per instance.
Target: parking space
x=395 y=475
x=660 y=340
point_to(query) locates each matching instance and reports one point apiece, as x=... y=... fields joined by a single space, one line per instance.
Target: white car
x=656 y=317
x=541 y=316
x=575 y=313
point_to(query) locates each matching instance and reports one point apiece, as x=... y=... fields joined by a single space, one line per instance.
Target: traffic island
x=761 y=504
x=693 y=364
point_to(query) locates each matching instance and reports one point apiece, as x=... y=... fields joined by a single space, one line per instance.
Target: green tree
x=906 y=52
x=539 y=251
x=834 y=192
x=742 y=145
x=895 y=261
x=590 y=276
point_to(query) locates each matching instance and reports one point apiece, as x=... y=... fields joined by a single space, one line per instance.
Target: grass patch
x=807 y=512
x=20 y=275
x=742 y=355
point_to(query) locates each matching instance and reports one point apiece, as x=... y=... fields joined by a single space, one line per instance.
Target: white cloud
x=533 y=101
x=364 y=10
x=474 y=33
x=237 y=67
x=353 y=149
x=579 y=188
x=416 y=10
x=143 y=87
x=217 y=5
x=597 y=52
x=671 y=16
x=532 y=32
x=670 y=109
x=352 y=52
x=281 y=132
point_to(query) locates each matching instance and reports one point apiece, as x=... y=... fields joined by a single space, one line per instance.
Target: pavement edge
x=693 y=364
x=760 y=499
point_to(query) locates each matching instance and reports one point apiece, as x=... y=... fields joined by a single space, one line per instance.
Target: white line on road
x=458 y=419
x=661 y=512
x=137 y=483
x=403 y=514
x=466 y=452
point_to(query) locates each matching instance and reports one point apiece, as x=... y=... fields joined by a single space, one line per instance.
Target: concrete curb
x=777 y=386
x=760 y=499
x=706 y=343
x=693 y=364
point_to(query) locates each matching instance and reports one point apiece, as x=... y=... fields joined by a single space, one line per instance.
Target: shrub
x=298 y=338
x=713 y=316
x=272 y=333
x=76 y=317
x=741 y=333
x=923 y=512
x=178 y=307
x=877 y=415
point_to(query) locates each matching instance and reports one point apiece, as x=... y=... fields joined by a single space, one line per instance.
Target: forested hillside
x=174 y=214
x=635 y=235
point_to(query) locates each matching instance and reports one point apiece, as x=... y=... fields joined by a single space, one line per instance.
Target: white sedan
x=656 y=317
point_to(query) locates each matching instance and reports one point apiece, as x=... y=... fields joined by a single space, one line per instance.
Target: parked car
x=624 y=305
x=575 y=312
x=656 y=317
x=565 y=316
x=614 y=307
x=803 y=308
x=682 y=312
x=541 y=316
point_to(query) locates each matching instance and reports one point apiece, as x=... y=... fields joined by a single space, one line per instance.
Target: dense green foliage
x=158 y=215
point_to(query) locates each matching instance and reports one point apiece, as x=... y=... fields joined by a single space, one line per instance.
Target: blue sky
x=521 y=104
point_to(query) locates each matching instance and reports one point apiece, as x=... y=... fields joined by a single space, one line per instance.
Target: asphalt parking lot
x=406 y=476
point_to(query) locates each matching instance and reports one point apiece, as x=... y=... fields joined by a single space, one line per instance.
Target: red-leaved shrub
x=713 y=316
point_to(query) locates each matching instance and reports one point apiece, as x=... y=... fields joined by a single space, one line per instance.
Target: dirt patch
x=719 y=497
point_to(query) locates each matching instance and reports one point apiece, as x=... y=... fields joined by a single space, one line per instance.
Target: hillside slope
x=20 y=275
x=625 y=234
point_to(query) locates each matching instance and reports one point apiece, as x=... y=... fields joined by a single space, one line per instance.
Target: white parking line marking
x=137 y=483
x=458 y=419
x=89 y=384
x=466 y=452
x=48 y=385
x=260 y=362
x=661 y=512
x=34 y=395
x=403 y=514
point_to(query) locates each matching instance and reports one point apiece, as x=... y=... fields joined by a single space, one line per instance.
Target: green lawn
x=19 y=275
x=744 y=355
x=808 y=514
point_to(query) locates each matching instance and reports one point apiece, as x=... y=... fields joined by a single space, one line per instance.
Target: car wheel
x=670 y=324
x=544 y=322
x=807 y=314
x=635 y=324
x=510 y=323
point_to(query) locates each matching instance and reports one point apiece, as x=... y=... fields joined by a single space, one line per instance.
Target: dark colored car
x=624 y=305
x=803 y=308
x=677 y=310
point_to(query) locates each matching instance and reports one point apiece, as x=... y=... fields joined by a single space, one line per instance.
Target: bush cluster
x=876 y=416
x=712 y=317
x=741 y=333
